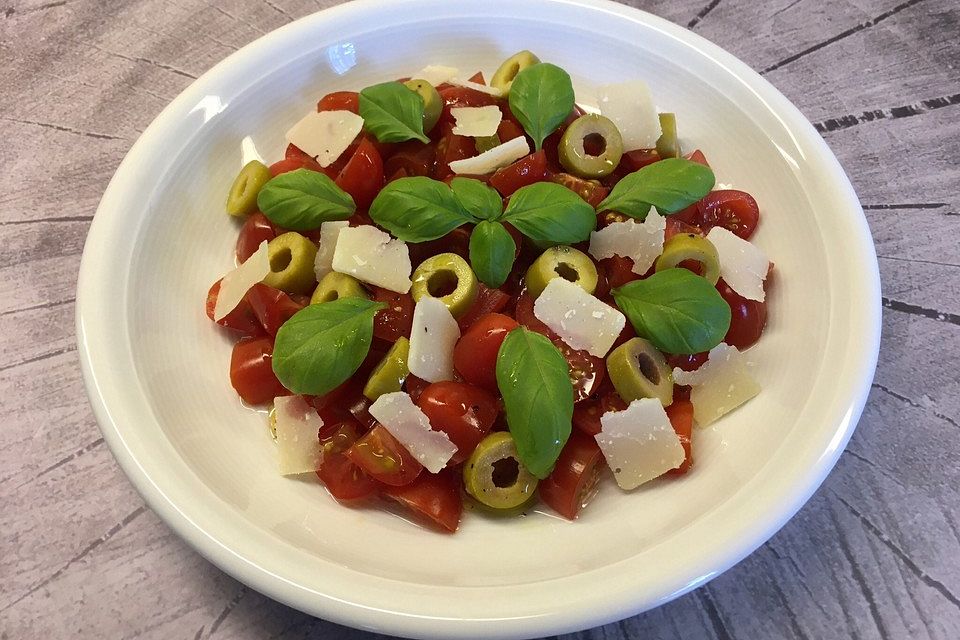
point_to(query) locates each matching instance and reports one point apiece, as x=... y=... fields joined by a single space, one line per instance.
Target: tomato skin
x=457 y=241
x=698 y=157
x=680 y=413
x=508 y=130
x=574 y=476
x=292 y=164
x=362 y=175
x=638 y=159
x=413 y=157
x=340 y=101
x=436 y=496
x=488 y=301
x=677 y=225
x=343 y=479
x=734 y=210
x=747 y=317
x=241 y=319
x=618 y=270
x=396 y=320
x=586 y=417
x=251 y=371
x=592 y=192
x=475 y=354
x=464 y=412
x=255 y=230
x=462 y=97
x=452 y=147
x=523 y=172
x=271 y=306
x=384 y=459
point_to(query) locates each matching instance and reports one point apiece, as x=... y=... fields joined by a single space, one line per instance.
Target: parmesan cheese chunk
x=236 y=283
x=639 y=443
x=476 y=86
x=630 y=106
x=432 y=338
x=580 y=319
x=642 y=242
x=329 y=232
x=743 y=265
x=720 y=385
x=298 y=441
x=325 y=134
x=489 y=161
x=411 y=427
x=437 y=74
x=372 y=256
x=476 y=122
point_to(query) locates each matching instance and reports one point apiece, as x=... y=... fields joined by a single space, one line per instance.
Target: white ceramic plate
x=156 y=368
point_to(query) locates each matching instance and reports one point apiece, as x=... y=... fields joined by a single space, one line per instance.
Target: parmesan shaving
x=236 y=283
x=489 y=161
x=630 y=106
x=642 y=242
x=432 y=338
x=580 y=319
x=743 y=265
x=639 y=443
x=411 y=427
x=720 y=385
x=325 y=135
x=298 y=440
x=476 y=122
x=372 y=256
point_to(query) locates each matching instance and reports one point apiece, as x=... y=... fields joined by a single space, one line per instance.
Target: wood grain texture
x=875 y=553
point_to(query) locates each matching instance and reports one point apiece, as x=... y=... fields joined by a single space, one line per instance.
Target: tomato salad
x=458 y=292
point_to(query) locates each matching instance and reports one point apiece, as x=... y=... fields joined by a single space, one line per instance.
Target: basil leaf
x=418 y=209
x=541 y=97
x=492 y=251
x=392 y=112
x=670 y=185
x=301 y=200
x=322 y=345
x=676 y=310
x=481 y=201
x=549 y=213
x=538 y=397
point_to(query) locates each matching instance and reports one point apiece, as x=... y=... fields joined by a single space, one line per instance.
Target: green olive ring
x=432 y=103
x=561 y=262
x=494 y=475
x=573 y=153
x=291 y=263
x=242 y=198
x=637 y=370
x=690 y=246
x=448 y=278
x=668 y=145
x=503 y=77
x=390 y=373
x=335 y=285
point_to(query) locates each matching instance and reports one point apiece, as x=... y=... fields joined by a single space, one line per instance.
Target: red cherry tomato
x=592 y=192
x=747 y=317
x=362 y=176
x=636 y=160
x=464 y=412
x=524 y=316
x=677 y=225
x=488 y=301
x=413 y=157
x=251 y=371
x=457 y=241
x=681 y=419
x=241 y=319
x=525 y=171
x=508 y=130
x=254 y=231
x=271 y=306
x=414 y=386
x=574 y=477
x=731 y=209
x=618 y=271
x=451 y=148
x=397 y=319
x=478 y=78
x=698 y=157
x=383 y=458
x=586 y=417
x=340 y=101
x=292 y=164
x=462 y=97
x=475 y=355
x=343 y=479
x=436 y=496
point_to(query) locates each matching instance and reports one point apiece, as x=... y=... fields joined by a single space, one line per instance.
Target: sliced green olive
x=591 y=147
x=389 y=375
x=335 y=285
x=690 y=246
x=561 y=262
x=242 y=199
x=506 y=72
x=432 y=103
x=637 y=370
x=668 y=145
x=272 y=422
x=291 y=263
x=449 y=278
x=485 y=143
x=495 y=476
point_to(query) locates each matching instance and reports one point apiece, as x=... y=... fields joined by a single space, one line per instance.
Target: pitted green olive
x=432 y=103
x=668 y=145
x=690 y=246
x=485 y=143
x=291 y=263
x=494 y=475
x=591 y=147
x=448 y=278
x=335 y=285
x=561 y=262
x=504 y=75
x=637 y=370
x=242 y=199
x=389 y=375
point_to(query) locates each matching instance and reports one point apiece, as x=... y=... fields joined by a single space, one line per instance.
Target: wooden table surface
x=874 y=554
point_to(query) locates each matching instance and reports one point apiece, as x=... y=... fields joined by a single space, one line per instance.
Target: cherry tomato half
x=734 y=210
x=413 y=157
x=251 y=371
x=340 y=101
x=462 y=97
x=590 y=191
x=574 y=477
x=525 y=171
x=256 y=229
x=747 y=317
x=292 y=164
x=680 y=413
x=475 y=355
x=241 y=319
x=397 y=319
x=383 y=458
x=271 y=306
x=462 y=411
x=488 y=301
x=343 y=479
x=450 y=148
x=362 y=176
x=436 y=496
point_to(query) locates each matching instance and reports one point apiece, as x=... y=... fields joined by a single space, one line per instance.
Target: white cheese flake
x=373 y=256
x=476 y=122
x=638 y=443
x=432 y=338
x=580 y=319
x=630 y=106
x=411 y=427
x=236 y=283
x=329 y=233
x=720 y=385
x=489 y=161
x=325 y=135
x=743 y=265
x=437 y=74
x=476 y=86
x=642 y=242
x=298 y=441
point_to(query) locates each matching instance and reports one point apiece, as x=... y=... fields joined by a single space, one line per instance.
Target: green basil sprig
x=481 y=201
x=322 y=345
x=676 y=310
x=301 y=200
x=541 y=97
x=670 y=185
x=549 y=213
x=418 y=209
x=392 y=112
x=492 y=252
x=534 y=379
